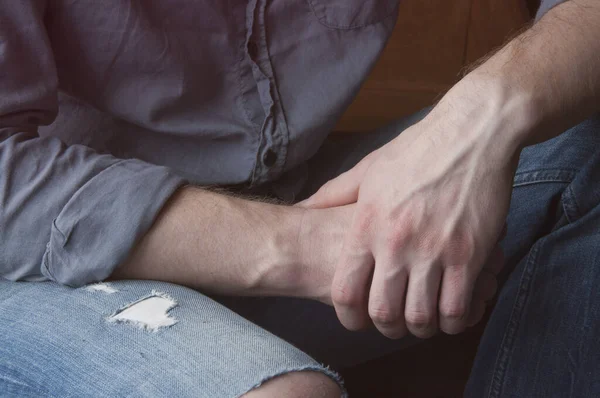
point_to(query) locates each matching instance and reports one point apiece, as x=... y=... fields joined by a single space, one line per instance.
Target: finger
x=349 y=291
x=495 y=261
x=455 y=298
x=341 y=190
x=420 y=311
x=476 y=312
x=387 y=298
x=485 y=286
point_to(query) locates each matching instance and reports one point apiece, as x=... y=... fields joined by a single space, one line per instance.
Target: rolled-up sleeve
x=67 y=213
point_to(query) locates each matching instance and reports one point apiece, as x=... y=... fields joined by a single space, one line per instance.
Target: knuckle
x=454 y=313
x=345 y=297
x=419 y=320
x=384 y=316
x=462 y=250
x=399 y=236
x=430 y=242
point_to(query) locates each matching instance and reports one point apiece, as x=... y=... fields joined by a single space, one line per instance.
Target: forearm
x=542 y=82
x=557 y=64
x=227 y=245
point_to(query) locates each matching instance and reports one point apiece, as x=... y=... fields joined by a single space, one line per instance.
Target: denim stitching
x=507 y=344
x=570 y=205
x=544 y=176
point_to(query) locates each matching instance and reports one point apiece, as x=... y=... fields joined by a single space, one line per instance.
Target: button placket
x=272 y=149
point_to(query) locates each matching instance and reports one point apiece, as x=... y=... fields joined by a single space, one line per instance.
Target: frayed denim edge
x=321 y=369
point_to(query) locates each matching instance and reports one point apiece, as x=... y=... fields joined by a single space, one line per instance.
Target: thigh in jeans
x=134 y=339
x=543 y=336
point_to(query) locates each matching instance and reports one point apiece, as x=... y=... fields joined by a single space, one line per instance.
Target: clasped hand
x=421 y=254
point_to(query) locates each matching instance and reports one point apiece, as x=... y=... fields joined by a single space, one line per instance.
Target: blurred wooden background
x=434 y=40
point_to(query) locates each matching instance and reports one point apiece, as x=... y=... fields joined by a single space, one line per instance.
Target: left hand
x=431 y=205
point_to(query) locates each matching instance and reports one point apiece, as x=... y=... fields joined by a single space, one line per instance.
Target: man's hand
x=431 y=206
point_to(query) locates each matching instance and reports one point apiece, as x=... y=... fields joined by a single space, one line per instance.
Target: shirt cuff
x=104 y=219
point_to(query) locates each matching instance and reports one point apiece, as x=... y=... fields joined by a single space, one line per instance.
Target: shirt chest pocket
x=352 y=14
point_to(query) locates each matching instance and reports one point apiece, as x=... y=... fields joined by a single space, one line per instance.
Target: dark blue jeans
x=543 y=337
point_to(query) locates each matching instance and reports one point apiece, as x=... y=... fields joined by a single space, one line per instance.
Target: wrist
x=516 y=108
x=301 y=253
x=321 y=238
x=485 y=112
x=275 y=270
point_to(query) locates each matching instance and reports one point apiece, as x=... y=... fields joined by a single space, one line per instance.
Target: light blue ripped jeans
x=96 y=341
x=152 y=339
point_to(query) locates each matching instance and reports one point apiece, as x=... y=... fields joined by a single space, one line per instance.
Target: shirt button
x=252 y=49
x=269 y=158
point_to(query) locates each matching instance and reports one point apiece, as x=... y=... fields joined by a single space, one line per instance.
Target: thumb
x=340 y=191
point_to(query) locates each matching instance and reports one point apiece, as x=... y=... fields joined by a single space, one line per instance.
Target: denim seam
x=543 y=176
x=570 y=205
x=507 y=344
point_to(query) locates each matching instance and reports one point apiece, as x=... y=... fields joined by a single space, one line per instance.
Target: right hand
x=321 y=238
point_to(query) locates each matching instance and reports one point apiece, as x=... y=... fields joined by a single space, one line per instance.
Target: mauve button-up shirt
x=108 y=106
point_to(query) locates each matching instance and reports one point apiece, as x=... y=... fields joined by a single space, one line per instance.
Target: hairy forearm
x=541 y=83
x=227 y=245
x=557 y=64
